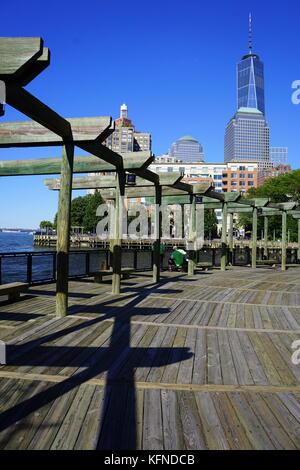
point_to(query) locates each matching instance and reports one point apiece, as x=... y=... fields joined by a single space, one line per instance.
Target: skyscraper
x=187 y=149
x=250 y=79
x=247 y=138
x=279 y=155
x=247 y=133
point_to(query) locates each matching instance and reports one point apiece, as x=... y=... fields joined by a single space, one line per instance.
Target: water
x=16 y=242
x=14 y=268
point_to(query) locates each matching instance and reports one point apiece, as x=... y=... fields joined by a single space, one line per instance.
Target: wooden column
x=157 y=232
x=116 y=246
x=254 y=237
x=266 y=226
x=191 y=261
x=224 y=237
x=298 y=251
x=63 y=230
x=283 y=241
x=230 y=238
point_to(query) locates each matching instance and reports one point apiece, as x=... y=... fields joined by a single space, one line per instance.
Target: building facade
x=279 y=156
x=187 y=149
x=267 y=173
x=125 y=138
x=247 y=138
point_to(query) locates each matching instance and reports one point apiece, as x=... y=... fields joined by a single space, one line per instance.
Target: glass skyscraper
x=247 y=133
x=187 y=149
x=247 y=138
x=250 y=83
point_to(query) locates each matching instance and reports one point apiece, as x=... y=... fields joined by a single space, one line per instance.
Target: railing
x=37 y=267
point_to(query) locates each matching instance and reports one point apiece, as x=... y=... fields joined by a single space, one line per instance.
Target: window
x=242 y=168
x=233 y=183
x=242 y=183
x=233 y=175
x=181 y=169
x=170 y=169
x=250 y=183
x=242 y=175
x=250 y=175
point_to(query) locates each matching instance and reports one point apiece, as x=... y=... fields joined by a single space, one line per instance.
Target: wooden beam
x=283 y=241
x=63 y=230
x=27 y=104
x=16 y=54
x=107 y=181
x=83 y=164
x=266 y=229
x=254 y=237
x=286 y=206
x=116 y=245
x=157 y=228
x=32 y=70
x=32 y=134
x=224 y=237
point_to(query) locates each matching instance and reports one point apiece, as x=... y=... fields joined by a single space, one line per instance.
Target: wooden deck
x=201 y=362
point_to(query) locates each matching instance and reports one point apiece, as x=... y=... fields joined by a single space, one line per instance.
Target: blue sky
x=172 y=63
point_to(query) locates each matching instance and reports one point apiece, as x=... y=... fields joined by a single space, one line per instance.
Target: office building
x=247 y=138
x=279 y=155
x=187 y=149
x=250 y=79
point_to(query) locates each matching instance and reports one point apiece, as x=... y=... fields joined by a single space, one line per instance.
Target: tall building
x=279 y=155
x=247 y=133
x=125 y=138
x=247 y=138
x=250 y=79
x=187 y=149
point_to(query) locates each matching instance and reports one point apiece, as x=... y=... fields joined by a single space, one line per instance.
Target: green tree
x=280 y=189
x=210 y=223
x=46 y=224
x=83 y=212
x=90 y=219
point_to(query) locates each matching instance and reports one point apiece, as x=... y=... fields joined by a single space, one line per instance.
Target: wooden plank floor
x=199 y=362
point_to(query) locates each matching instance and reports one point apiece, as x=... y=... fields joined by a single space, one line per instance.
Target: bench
x=268 y=261
x=98 y=275
x=204 y=265
x=13 y=289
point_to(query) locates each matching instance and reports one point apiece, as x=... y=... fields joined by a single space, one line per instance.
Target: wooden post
x=157 y=231
x=224 y=236
x=63 y=230
x=298 y=251
x=283 y=242
x=230 y=239
x=254 y=237
x=116 y=245
x=266 y=223
x=191 y=261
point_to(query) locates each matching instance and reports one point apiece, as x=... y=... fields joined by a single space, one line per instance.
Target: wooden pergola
x=169 y=184
x=21 y=60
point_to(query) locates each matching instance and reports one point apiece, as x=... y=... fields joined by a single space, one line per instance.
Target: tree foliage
x=280 y=189
x=83 y=212
x=46 y=224
x=210 y=223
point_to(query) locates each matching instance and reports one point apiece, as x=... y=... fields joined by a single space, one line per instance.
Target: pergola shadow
x=117 y=429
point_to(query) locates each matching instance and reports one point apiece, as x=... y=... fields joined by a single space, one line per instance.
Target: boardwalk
x=201 y=362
